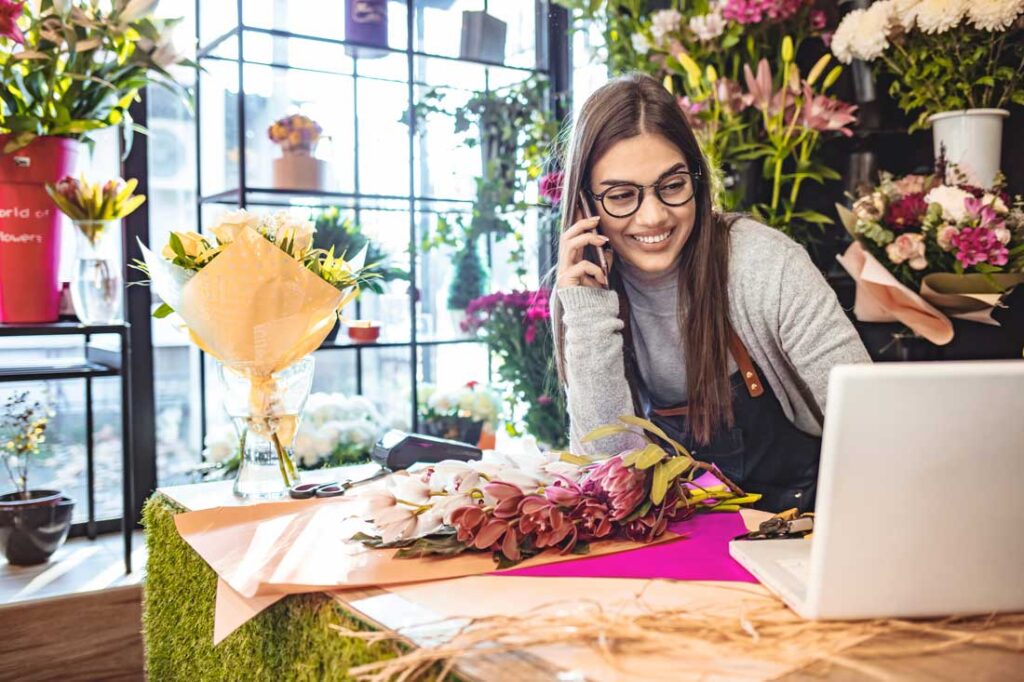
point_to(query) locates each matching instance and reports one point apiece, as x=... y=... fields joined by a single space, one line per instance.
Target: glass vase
x=266 y=414
x=96 y=290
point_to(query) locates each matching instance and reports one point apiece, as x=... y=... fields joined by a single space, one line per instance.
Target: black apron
x=762 y=452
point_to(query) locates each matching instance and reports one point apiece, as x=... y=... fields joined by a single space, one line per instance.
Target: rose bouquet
x=260 y=299
x=516 y=326
x=516 y=509
x=960 y=248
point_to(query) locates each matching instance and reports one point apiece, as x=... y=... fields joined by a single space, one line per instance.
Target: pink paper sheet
x=702 y=554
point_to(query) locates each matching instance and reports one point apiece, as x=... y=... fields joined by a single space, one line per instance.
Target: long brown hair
x=623 y=108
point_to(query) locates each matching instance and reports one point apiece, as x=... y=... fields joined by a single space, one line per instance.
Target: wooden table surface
x=433 y=610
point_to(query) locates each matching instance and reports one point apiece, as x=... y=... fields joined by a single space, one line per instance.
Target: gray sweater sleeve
x=597 y=391
x=815 y=333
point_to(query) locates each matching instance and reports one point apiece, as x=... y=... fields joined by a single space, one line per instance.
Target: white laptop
x=920 y=506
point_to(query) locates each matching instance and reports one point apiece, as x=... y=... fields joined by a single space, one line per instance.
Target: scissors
x=305 y=491
x=784 y=525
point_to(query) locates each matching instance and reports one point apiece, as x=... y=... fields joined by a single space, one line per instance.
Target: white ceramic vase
x=972 y=140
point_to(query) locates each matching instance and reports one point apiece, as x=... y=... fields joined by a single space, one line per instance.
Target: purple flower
x=979 y=245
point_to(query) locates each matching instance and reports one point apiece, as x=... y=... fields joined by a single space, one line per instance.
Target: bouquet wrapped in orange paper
x=257 y=297
x=926 y=251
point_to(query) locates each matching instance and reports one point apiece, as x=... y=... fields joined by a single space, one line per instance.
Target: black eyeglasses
x=624 y=199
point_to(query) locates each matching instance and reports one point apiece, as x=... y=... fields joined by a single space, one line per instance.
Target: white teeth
x=655 y=239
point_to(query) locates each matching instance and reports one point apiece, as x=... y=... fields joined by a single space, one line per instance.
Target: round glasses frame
x=694 y=178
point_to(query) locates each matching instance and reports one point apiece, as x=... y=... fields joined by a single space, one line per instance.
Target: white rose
x=951 y=199
x=230 y=222
x=995 y=202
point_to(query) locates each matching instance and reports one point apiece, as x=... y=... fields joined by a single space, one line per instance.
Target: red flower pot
x=30 y=228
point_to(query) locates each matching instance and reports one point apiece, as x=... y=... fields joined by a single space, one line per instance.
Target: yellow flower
x=295 y=137
x=194 y=244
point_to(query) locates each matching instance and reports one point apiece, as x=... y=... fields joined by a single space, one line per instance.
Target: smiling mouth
x=654 y=238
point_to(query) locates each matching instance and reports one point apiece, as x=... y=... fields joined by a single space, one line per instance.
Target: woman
x=721 y=331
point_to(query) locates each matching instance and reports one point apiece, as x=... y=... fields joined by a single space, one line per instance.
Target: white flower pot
x=972 y=140
x=299 y=172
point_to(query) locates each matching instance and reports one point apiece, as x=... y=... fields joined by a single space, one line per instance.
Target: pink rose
x=908 y=248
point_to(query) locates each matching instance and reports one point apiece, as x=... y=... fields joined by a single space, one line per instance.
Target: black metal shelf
x=59 y=328
x=229 y=49
x=206 y=51
x=350 y=345
x=269 y=196
x=78 y=370
x=97 y=363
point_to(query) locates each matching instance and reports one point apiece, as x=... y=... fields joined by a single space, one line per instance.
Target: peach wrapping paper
x=882 y=298
x=254 y=308
x=266 y=551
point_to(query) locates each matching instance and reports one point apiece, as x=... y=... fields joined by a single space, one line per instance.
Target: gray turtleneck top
x=779 y=305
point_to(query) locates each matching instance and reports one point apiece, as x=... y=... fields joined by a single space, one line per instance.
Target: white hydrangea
x=664 y=22
x=708 y=26
x=220 y=444
x=864 y=33
x=640 y=44
x=304 y=446
x=951 y=199
x=938 y=16
x=994 y=15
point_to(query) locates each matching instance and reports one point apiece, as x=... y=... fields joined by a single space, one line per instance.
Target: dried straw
x=754 y=636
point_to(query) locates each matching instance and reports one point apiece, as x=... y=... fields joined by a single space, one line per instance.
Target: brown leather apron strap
x=754 y=384
x=750 y=377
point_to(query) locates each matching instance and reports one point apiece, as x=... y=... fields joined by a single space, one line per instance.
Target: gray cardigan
x=780 y=306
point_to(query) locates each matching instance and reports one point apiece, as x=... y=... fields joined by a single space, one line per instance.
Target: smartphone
x=592 y=253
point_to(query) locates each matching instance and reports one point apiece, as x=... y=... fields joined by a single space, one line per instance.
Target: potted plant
x=68 y=69
x=297 y=168
x=345 y=237
x=516 y=326
x=469 y=280
x=461 y=414
x=33 y=523
x=956 y=66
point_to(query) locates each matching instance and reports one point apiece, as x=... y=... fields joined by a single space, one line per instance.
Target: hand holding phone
x=581 y=258
x=593 y=253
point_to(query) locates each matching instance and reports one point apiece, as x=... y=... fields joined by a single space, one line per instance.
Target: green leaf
x=603 y=432
x=676 y=466
x=162 y=311
x=177 y=247
x=648 y=457
x=659 y=483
